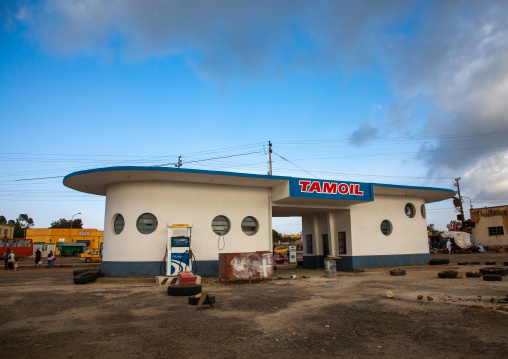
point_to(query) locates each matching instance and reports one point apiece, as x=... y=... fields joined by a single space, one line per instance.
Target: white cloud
x=452 y=55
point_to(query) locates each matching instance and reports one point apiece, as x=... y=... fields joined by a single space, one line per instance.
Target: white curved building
x=366 y=224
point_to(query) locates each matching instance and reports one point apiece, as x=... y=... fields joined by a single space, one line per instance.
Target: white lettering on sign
x=61 y=239
x=352 y=189
x=84 y=233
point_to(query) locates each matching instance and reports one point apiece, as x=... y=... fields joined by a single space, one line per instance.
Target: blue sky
x=399 y=92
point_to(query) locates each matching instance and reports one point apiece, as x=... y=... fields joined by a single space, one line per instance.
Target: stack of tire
x=193 y=291
x=493 y=274
x=84 y=276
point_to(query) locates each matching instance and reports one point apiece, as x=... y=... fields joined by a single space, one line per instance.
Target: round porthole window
x=424 y=212
x=410 y=210
x=250 y=226
x=147 y=223
x=118 y=224
x=221 y=225
x=386 y=227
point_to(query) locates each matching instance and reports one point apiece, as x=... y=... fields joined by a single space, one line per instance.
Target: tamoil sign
x=353 y=191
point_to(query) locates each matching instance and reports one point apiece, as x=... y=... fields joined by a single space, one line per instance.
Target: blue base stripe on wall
x=151 y=269
x=348 y=262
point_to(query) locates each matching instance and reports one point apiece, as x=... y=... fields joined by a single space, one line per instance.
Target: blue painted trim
x=151 y=269
x=313 y=262
x=390 y=260
x=171 y=169
x=236 y=174
x=413 y=187
x=356 y=262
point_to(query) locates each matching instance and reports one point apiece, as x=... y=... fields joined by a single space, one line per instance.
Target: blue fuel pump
x=179 y=253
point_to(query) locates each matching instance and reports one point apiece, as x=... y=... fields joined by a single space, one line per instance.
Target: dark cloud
x=221 y=37
x=363 y=134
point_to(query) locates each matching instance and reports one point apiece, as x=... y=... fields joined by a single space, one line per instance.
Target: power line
x=294 y=164
x=34 y=179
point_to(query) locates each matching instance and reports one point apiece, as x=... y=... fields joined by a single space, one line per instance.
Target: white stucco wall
x=174 y=202
x=362 y=222
x=409 y=235
x=342 y=223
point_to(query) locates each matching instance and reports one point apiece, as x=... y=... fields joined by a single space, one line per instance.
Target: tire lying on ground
x=473 y=275
x=184 y=289
x=505 y=263
x=193 y=300
x=495 y=271
x=462 y=263
x=490 y=263
x=87 y=276
x=434 y=262
x=398 y=272
x=448 y=274
x=474 y=263
x=492 y=277
x=78 y=271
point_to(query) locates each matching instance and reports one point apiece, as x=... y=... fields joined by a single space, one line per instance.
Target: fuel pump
x=179 y=253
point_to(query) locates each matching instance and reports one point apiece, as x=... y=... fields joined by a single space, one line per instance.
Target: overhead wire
x=294 y=164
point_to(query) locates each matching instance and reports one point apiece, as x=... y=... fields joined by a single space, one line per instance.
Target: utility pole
x=459 y=202
x=179 y=164
x=270 y=155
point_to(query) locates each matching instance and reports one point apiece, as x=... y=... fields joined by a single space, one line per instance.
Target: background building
x=85 y=238
x=6 y=231
x=491 y=224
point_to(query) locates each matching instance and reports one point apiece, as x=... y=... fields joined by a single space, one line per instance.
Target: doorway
x=326 y=245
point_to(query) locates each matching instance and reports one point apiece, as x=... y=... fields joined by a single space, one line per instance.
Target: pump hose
x=194 y=264
x=163 y=262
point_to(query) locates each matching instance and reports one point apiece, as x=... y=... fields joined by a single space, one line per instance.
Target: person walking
x=449 y=246
x=51 y=259
x=37 y=256
x=11 y=260
x=6 y=258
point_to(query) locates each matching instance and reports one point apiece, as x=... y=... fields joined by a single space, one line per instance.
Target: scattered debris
x=430 y=298
x=420 y=297
x=389 y=294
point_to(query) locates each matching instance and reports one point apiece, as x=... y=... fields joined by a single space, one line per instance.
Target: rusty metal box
x=246 y=265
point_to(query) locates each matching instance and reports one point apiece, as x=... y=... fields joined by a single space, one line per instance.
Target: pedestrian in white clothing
x=449 y=246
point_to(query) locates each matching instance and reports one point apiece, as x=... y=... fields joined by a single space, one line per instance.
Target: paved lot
x=347 y=316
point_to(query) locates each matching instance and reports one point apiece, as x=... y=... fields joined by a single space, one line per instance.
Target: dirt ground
x=47 y=316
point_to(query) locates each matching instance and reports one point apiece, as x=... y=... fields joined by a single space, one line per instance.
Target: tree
x=21 y=224
x=276 y=236
x=24 y=220
x=64 y=223
x=3 y=220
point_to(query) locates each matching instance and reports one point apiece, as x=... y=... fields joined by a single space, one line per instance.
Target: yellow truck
x=93 y=255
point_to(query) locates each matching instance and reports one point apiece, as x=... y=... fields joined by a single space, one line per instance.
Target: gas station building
x=365 y=224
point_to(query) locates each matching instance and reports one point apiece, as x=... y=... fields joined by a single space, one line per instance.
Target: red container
x=186 y=278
